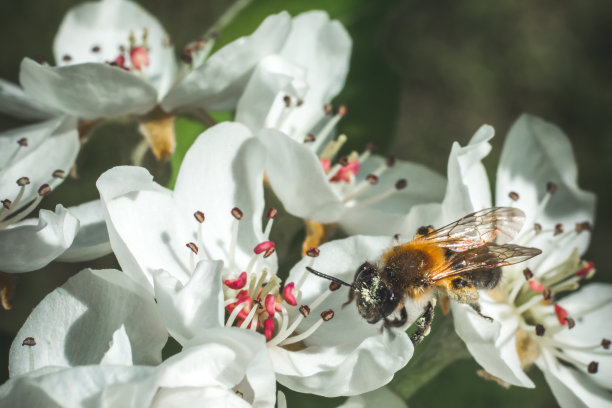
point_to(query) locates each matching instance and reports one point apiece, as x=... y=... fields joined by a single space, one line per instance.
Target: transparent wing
x=499 y=224
x=485 y=257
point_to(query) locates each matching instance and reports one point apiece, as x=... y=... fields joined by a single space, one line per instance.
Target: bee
x=455 y=260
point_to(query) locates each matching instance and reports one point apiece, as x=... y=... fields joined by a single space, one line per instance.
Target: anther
x=540 y=330
x=313 y=252
x=28 y=341
x=263 y=247
x=558 y=229
x=299 y=102
x=401 y=184
x=304 y=310
x=547 y=294
x=342 y=110
x=239 y=393
x=327 y=315
x=23 y=181
x=60 y=174
x=237 y=283
x=95 y=48
x=333 y=286
x=593 y=366
x=370 y=147
x=536 y=286
x=270 y=304
x=570 y=322
x=343 y=161
x=537 y=228
x=44 y=190
x=6 y=203
x=562 y=315
x=288 y=294
x=605 y=343
x=23 y=142
x=272 y=213
x=327 y=108
x=193 y=247
x=287 y=101
x=269 y=328
x=66 y=58
x=527 y=273
x=237 y=213
x=372 y=179
x=269 y=252
x=390 y=161
x=309 y=138
x=551 y=187
x=585 y=271
x=583 y=226
x=199 y=216
x=513 y=195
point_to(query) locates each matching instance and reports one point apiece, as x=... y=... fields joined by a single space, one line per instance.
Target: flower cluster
x=202 y=310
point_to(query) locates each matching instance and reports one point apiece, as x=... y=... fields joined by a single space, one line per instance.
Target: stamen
x=237 y=283
x=329 y=126
x=540 y=330
x=192 y=255
x=232 y=317
x=562 y=314
x=536 y=286
x=331 y=150
x=245 y=324
x=583 y=226
x=199 y=216
x=558 y=229
x=537 y=228
x=309 y=138
x=60 y=174
x=304 y=310
x=399 y=185
x=23 y=142
x=237 y=214
x=30 y=342
x=271 y=214
x=270 y=304
x=593 y=366
x=263 y=247
x=551 y=187
x=269 y=328
x=193 y=247
x=605 y=343
x=95 y=49
x=513 y=195
x=288 y=294
x=325 y=316
x=527 y=273
x=43 y=191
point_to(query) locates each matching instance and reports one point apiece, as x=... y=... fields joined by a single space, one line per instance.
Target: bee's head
x=375 y=300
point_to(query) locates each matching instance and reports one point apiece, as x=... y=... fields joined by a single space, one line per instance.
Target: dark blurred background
x=423 y=74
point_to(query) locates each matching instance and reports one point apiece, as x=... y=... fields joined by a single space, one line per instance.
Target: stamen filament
x=248 y=319
x=15 y=202
x=527 y=305
x=376 y=198
x=24 y=213
x=232 y=317
x=302 y=336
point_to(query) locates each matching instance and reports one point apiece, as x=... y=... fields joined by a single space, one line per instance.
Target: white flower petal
x=198 y=305
x=92 y=240
x=107 y=26
x=218 y=82
x=382 y=397
x=52 y=145
x=342 y=349
x=468 y=187
x=120 y=351
x=75 y=323
x=537 y=152
x=292 y=168
x=15 y=102
x=88 y=90
x=492 y=344
x=32 y=244
x=223 y=169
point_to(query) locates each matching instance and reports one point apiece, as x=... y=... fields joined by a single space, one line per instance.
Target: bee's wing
x=501 y=224
x=485 y=257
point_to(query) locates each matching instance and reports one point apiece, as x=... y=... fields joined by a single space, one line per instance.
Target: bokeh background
x=423 y=74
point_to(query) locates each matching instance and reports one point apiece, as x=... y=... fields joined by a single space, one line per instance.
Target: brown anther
x=401 y=184
x=313 y=252
x=537 y=228
x=551 y=187
x=540 y=330
x=186 y=56
x=44 y=190
x=23 y=181
x=272 y=213
x=121 y=49
x=570 y=322
x=372 y=179
x=304 y=310
x=23 y=142
x=343 y=161
x=527 y=273
x=299 y=102
x=370 y=147
x=593 y=367
x=327 y=108
x=547 y=294
x=309 y=138
x=29 y=341
x=66 y=58
x=269 y=252
x=239 y=393
x=583 y=226
x=513 y=195
x=327 y=315
x=558 y=229
x=605 y=343
x=6 y=203
x=287 y=101
x=193 y=247
x=95 y=48
x=237 y=213
x=199 y=216
x=333 y=286
x=61 y=174
x=342 y=110
x=390 y=161
x=396 y=237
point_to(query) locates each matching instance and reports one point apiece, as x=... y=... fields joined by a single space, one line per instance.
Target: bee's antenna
x=331 y=278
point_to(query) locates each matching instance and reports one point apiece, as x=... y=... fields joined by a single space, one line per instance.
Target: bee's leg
x=351 y=297
x=423 y=324
x=476 y=307
x=399 y=322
